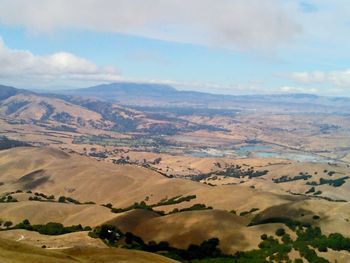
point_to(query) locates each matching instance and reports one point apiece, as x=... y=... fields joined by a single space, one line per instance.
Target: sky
x=217 y=46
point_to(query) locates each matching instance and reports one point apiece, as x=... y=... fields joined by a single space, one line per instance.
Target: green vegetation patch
x=271 y=249
x=195 y=207
x=285 y=179
x=174 y=200
x=245 y=213
x=50 y=228
x=141 y=205
x=332 y=182
x=8 y=199
x=114 y=237
x=235 y=171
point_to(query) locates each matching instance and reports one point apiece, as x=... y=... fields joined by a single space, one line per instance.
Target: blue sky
x=266 y=47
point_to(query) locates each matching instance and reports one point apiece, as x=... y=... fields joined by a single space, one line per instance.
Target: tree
x=280 y=232
x=157 y=160
x=263 y=237
x=7 y=224
x=52 y=228
x=62 y=199
x=109 y=205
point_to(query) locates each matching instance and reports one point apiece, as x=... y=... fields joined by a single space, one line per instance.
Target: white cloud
x=22 y=65
x=225 y=23
x=340 y=78
x=292 y=89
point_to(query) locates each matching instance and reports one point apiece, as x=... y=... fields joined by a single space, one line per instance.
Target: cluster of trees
x=50 y=228
x=235 y=171
x=51 y=198
x=41 y=197
x=244 y=213
x=332 y=182
x=113 y=236
x=102 y=155
x=6 y=224
x=331 y=173
x=14 y=192
x=314 y=237
x=284 y=178
x=64 y=199
x=108 y=233
x=194 y=207
x=290 y=223
x=8 y=199
x=136 y=205
x=271 y=249
x=121 y=161
x=126 y=160
x=175 y=200
x=308 y=239
x=6 y=143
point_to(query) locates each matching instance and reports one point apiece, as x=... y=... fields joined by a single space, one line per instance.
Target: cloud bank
x=62 y=66
x=340 y=78
x=238 y=24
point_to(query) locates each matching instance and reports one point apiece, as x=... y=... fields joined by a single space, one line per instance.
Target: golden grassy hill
x=52 y=171
x=193 y=227
x=184 y=165
x=76 y=239
x=35 y=107
x=181 y=166
x=333 y=216
x=16 y=252
x=55 y=172
x=44 y=212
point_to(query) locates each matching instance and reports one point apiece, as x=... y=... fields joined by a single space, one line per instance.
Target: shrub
x=280 y=232
x=62 y=199
x=207 y=249
x=7 y=224
x=26 y=222
x=195 y=207
x=311 y=190
x=109 y=205
x=263 y=237
x=244 y=213
x=108 y=233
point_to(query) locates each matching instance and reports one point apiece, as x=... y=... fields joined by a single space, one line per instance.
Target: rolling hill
x=16 y=252
x=180 y=199
x=69 y=113
x=146 y=94
x=53 y=172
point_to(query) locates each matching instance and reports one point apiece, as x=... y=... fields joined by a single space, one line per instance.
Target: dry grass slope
x=14 y=252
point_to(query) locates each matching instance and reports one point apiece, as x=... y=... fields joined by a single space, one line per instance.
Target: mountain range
x=144 y=94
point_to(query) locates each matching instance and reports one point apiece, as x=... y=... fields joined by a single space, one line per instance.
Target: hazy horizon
x=250 y=47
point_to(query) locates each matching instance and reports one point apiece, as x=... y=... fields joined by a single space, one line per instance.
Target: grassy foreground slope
x=15 y=252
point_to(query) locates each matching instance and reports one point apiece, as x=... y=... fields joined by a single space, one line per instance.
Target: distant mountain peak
x=131 y=86
x=8 y=91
